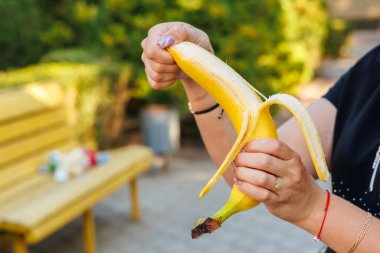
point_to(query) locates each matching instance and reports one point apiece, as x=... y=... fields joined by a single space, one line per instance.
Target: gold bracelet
x=362 y=233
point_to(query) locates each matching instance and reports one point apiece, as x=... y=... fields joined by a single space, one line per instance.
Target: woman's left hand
x=269 y=171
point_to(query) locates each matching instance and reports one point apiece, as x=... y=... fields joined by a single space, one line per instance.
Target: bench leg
x=89 y=232
x=4 y=248
x=19 y=245
x=135 y=209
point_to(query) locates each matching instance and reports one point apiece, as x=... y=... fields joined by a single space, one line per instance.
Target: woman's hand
x=270 y=172
x=160 y=67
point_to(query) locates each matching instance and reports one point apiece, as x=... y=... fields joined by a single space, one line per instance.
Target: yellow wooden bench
x=32 y=205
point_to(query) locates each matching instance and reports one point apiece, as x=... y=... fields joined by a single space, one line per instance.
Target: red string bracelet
x=317 y=238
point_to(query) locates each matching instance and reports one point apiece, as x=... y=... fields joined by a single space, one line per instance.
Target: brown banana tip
x=208 y=226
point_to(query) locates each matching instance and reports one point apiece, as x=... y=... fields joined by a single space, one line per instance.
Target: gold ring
x=277 y=185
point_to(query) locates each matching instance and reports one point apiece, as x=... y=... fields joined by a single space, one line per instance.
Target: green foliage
x=19 y=33
x=337 y=33
x=274 y=44
x=73 y=55
x=96 y=96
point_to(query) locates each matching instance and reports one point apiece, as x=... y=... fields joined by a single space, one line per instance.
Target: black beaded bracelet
x=206 y=110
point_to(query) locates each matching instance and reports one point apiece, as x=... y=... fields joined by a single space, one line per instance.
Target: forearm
x=217 y=134
x=343 y=223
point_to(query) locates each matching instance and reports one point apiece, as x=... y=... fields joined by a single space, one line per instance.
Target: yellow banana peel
x=250 y=117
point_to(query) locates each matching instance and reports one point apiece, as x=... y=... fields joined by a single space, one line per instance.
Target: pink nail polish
x=166 y=41
x=233 y=166
x=237 y=181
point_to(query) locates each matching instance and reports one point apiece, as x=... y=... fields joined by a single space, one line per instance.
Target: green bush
x=337 y=33
x=20 y=26
x=96 y=92
x=274 y=44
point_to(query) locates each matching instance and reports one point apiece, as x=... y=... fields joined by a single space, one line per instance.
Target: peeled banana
x=250 y=117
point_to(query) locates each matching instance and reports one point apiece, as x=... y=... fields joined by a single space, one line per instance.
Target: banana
x=250 y=117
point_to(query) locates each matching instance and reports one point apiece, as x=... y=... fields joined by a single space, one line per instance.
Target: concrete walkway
x=169 y=208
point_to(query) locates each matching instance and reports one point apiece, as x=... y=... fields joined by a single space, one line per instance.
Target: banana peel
x=250 y=117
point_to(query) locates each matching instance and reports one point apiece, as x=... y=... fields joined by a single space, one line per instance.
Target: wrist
x=197 y=96
x=313 y=220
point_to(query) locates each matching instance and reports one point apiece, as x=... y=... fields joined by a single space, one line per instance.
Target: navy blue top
x=356 y=144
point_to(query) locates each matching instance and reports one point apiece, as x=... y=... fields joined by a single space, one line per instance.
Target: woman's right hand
x=160 y=67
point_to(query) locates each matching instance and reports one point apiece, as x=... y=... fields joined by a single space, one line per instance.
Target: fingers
x=160 y=77
x=260 y=161
x=258 y=193
x=160 y=85
x=270 y=146
x=186 y=32
x=159 y=67
x=270 y=172
x=164 y=35
x=257 y=177
x=154 y=52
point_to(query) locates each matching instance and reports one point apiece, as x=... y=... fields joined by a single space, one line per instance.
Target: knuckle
x=266 y=161
x=155 y=85
x=297 y=176
x=156 y=76
x=296 y=161
x=160 y=68
x=263 y=180
x=276 y=145
x=153 y=29
x=181 y=30
x=147 y=71
x=265 y=196
x=297 y=158
x=143 y=58
x=238 y=159
x=249 y=146
x=142 y=44
x=237 y=171
x=150 y=53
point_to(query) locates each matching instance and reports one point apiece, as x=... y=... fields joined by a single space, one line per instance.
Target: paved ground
x=169 y=208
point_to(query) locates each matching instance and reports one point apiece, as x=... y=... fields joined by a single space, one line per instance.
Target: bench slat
x=28 y=125
x=30 y=99
x=64 y=196
x=60 y=219
x=25 y=147
x=11 y=174
x=29 y=188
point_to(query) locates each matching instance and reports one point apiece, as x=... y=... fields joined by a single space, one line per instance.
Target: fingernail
x=233 y=165
x=166 y=41
x=237 y=181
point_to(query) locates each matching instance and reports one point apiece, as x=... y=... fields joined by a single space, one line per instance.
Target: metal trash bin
x=160 y=129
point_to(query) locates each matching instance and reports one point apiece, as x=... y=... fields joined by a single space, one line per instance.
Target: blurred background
x=92 y=49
